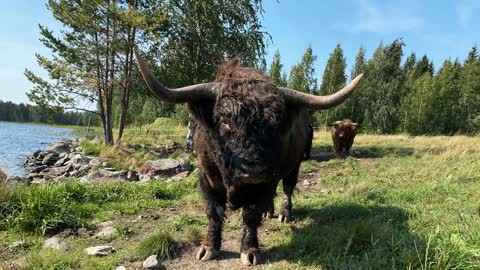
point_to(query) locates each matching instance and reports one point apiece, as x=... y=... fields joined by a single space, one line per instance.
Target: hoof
x=206 y=254
x=283 y=219
x=249 y=258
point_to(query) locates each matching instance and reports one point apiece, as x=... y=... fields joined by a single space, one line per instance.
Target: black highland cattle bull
x=343 y=135
x=250 y=134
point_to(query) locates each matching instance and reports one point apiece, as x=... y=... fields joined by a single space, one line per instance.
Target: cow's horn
x=353 y=124
x=190 y=93
x=336 y=123
x=320 y=102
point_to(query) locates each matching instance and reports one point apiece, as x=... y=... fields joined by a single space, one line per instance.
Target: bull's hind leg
x=214 y=208
x=252 y=216
x=289 y=184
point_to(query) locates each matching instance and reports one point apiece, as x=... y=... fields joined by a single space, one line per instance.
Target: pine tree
x=302 y=76
x=383 y=88
x=472 y=55
x=333 y=79
x=275 y=72
x=470 y=92
x=447 y=115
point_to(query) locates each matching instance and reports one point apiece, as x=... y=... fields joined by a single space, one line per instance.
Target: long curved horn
x=320 y=102
x=192 y=93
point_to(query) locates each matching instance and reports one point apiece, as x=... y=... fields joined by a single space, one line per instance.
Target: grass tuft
x=160 y=243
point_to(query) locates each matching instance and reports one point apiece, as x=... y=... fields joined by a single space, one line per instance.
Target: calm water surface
x=17 y=141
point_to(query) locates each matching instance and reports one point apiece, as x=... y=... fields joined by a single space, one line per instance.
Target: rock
x=341 y=190
x=152 y=262
x=132 y=175
x=63 y=155
x=16 y=244
x=121 y=267
x=61 y=162
x=306 y=183
x=19 y=263
x=83 y=232
x=3 y=176
x=12 y=180
x=180 y=176
x=145 y=178
x=77 y=161
x=161 y=167
x=99 y=250
x=106 y=232
x=60 y=147
x=92 y=177
x=38 y=181
x=50 y=159
x=105 y=224
x=55 y=243
x=39 y=169
x=96 y=162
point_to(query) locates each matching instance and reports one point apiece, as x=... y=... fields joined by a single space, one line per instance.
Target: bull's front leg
x=214 y=208
x=289 y=184
x=252 y=216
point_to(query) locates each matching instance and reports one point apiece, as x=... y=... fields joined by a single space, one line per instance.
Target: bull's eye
x=224 y=125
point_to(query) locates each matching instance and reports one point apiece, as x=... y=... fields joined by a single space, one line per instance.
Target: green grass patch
x=53 y=207
x=309 y=166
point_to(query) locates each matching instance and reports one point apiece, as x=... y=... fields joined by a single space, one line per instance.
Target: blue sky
x=441 y=29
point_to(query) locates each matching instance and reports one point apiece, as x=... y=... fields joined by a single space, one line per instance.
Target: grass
x=160 y=243
x=399 y=202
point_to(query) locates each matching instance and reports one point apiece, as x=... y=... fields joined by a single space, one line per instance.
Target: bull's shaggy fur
x=246 y=141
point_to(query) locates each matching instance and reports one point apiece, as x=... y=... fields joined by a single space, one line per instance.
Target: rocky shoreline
x=65 y=159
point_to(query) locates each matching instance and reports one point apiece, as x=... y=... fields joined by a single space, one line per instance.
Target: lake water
x=17 y=141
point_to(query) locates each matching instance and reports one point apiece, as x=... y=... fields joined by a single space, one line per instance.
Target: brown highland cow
x=343 y=135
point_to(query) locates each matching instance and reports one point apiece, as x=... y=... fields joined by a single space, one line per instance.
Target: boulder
x=162 y=167
x=152 y=262
x=3 y=176
x=99 y=250
x=60 y=147
x=50 y=159
x=55 y=243
x=106 y=232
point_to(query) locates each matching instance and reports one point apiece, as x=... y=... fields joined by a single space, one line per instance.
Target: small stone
x=16 y=244
x=56 y=244
x=19 y=263
x=106 y=232
x=99 y=250
x=306 y=183
x=38 y=181
x=121 y=267
x=105 y=224
x=341 y=190
x=145 y=178
x=151 y=263
x=180 y=176
x=83 y=232
x=96 y=162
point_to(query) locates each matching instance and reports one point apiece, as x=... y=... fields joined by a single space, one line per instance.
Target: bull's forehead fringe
x=233 y=72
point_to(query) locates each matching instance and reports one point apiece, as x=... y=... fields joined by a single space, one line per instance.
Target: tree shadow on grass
x=352 y=236
x=325 y=152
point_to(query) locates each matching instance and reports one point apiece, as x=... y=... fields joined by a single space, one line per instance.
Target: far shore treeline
x=25 y=113
x=92 y=61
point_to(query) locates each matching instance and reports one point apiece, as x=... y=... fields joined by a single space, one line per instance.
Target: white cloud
x=387 y=17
